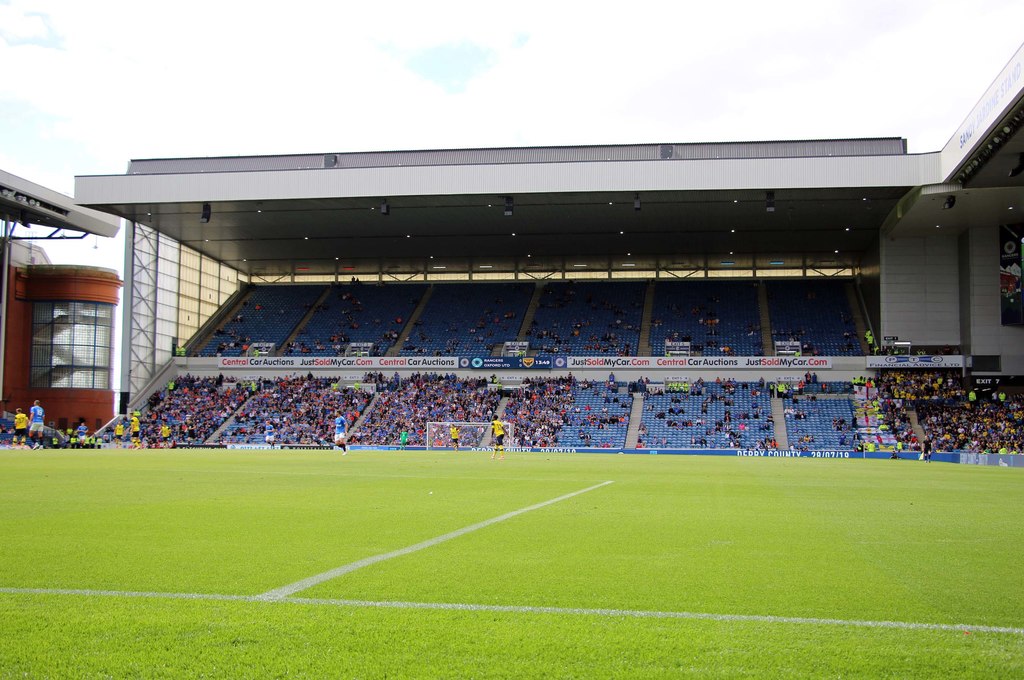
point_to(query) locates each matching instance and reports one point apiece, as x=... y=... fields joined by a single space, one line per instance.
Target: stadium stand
x=588 y=318
x=599 y=417
x=539 y=409
x=815 y=313
x=269 y=314
x=358 y=313
x=301 y=409
x=717 y=317
x=718 y=415
x=469 y=319
x=410 y=403
x=815 y=424
x=566 y=412
x=194 y=409
x=985 y=425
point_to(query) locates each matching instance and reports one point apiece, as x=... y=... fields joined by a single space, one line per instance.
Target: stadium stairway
x=217 y=322
x=303 y=321
x=362 y=416
x=228 y=310
x=531 y=311
x=215 y=435
x=410 y=324
x=636 y=414
x=915 y=425
x=644 y=343
x=779 y=416
x=766 y=321
x=858 y=316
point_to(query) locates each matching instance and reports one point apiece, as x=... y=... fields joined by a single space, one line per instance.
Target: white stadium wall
x=920 y=301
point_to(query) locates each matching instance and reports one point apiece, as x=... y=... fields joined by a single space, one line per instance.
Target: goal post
x=471 y=434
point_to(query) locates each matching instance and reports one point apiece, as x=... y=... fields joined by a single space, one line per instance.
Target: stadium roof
x=819 y=203
x=652 y=206
x=656 y=205
x=27 y=203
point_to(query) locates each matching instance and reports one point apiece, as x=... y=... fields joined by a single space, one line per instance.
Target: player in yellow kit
x=498 y=433
x=20 y=428
x=453 y=432
x=135 y=427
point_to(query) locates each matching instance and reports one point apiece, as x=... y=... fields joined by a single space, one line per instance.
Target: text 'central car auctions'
x=337 y=362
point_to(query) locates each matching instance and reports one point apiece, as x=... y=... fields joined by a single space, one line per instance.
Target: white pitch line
x=292 y=588
x=127 y=593
x=526 y=609
x=647 y=614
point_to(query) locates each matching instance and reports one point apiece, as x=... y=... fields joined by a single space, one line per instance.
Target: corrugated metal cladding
x=891 y=146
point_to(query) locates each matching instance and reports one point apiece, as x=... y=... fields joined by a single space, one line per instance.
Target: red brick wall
x=63 y=406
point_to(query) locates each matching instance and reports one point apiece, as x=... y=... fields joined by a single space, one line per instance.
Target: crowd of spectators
x=539 y=410
x=407 y=405
x=193 y=409
x=944 y=387
x=344 y=318
x=985 y=426
x=718 y=414
x=615 y=334
x=300 y=409
x=599 y=416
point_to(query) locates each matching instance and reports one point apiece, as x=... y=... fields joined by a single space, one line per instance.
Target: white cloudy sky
x=91 y=84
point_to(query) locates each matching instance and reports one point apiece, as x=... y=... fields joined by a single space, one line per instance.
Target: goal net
x=471 y=435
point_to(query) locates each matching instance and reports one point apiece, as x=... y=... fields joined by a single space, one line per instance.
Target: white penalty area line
x=525 y=609
x=306 y=583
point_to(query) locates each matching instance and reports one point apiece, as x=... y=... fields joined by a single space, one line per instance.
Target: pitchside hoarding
x=808 y=363
x=309 y=363
x=529 y=363
x=916 y=361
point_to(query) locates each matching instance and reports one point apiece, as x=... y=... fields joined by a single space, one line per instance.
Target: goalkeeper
x=453 y=432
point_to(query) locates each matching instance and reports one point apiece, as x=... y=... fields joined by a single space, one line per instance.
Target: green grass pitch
x=153 y=564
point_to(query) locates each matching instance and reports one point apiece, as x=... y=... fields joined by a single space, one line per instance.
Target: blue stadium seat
x=816 y=313
x=469 y=319
x=589 y=318
x=269 y=314
x=717 y=317
x=358 y=313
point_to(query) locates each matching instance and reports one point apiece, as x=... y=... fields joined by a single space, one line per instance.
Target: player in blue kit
x=269 y=434
x=35 y=432
x=341 y=433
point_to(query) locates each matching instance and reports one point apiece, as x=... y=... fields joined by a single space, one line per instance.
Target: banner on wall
x=802 y=363
x=916 y=361
x=1010 y=307
x=310 y=363
x=539 y=362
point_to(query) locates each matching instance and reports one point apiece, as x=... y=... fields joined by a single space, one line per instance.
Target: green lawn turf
x=841 y=539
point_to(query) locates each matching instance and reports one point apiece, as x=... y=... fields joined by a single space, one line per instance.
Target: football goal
x=471 y=435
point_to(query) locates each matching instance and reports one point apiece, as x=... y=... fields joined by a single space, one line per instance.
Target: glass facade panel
x=72 y=344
